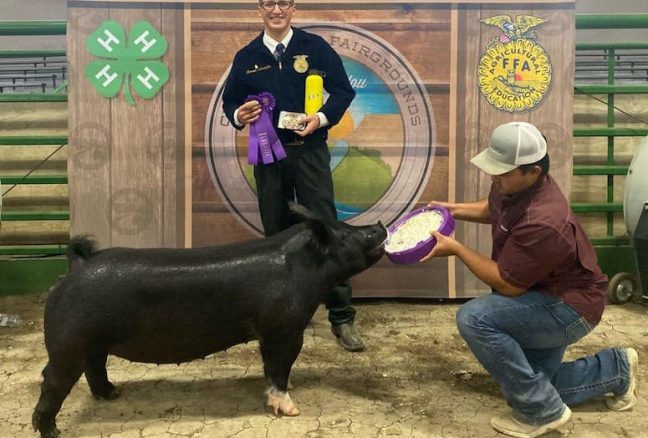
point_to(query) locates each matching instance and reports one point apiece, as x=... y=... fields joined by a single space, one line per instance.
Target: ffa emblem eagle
x=513 y=30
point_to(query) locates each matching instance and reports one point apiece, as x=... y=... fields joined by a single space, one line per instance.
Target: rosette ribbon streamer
x=264 y=145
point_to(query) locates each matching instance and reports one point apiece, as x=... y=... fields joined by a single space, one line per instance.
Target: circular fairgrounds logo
x=382 y=150
x=515 y=72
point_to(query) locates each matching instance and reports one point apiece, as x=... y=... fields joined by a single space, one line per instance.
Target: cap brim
x=485 y=162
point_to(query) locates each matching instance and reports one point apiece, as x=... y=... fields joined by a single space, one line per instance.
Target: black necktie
x=279 y=51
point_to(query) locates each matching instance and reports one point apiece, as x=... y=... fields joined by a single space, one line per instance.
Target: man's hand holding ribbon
x=264 y=145
x=249 y=112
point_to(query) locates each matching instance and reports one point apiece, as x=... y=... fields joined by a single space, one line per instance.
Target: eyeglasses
x=270 y=5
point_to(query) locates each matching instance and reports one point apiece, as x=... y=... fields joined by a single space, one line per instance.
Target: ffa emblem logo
x=515 y=72
x=300 y=65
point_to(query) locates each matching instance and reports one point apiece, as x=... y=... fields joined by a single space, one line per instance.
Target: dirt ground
x=416 y=379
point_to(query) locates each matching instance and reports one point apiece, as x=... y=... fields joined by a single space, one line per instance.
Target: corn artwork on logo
x=121 y=61
x=514 y=73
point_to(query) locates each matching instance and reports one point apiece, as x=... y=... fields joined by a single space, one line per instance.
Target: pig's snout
x=386 y=231
x=376 y=238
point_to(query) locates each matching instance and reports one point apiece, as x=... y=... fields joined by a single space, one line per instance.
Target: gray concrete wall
x=614 y=7
x=32 y=10
x=56 y=10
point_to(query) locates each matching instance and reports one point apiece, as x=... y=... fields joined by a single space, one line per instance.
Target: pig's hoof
x=282 y=403
x=110 y=393
x=47 y=429
x=54 y=433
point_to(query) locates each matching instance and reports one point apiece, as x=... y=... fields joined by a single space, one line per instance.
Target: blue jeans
x=521 y=341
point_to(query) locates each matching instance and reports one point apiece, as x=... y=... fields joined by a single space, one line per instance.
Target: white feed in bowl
x=416 y=229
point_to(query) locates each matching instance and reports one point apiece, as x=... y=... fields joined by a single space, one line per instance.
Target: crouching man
x=548 y=291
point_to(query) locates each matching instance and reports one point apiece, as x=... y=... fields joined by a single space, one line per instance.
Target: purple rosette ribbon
x=264 y=141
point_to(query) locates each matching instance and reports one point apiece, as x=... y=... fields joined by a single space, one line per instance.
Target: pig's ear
x=321 y=233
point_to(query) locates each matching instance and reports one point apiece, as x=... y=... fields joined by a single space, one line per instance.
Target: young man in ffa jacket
x=277 y=62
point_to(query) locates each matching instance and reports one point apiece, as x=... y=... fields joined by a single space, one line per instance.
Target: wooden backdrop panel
x=126 y=166
x=420 y=34
x=89 y=134
x=477 y=117
x=136 y=164
x=469 y=183
x=172 y=133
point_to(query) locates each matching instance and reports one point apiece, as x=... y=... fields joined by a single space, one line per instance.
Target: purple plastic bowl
x=423 y=248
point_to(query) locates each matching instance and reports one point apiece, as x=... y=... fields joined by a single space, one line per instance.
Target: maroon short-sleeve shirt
x=538 y=244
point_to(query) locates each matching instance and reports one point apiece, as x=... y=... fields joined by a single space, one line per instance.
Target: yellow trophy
x=314 y=98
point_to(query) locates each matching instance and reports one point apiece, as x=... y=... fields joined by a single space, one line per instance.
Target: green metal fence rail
x=45 y=53
x=608 y=246
x=23 y=250
x=611 y=89
x=20 y=262
x=32 y=140
x=611 y=21
x=610 y=132
x=611 y=168
x=35 y=216
x=32 y=97
x=35 y=179
x=605 y=46
x=37 y=28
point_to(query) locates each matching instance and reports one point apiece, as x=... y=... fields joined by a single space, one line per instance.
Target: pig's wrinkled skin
x=177 y=305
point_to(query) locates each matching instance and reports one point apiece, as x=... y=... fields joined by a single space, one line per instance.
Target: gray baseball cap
x=511 y=145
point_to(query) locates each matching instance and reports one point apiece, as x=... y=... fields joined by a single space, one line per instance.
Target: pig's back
x=171 y=306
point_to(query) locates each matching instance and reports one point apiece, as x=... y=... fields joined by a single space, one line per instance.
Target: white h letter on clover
x=142 y=40
x=111 y=39
x=145 y=80
x=104 y=73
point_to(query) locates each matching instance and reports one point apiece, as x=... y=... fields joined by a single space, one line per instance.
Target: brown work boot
x=348 y=337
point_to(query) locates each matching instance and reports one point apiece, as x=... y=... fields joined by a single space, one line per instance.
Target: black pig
x=177 y=305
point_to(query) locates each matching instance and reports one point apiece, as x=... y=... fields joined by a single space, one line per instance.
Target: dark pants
x=305 y=176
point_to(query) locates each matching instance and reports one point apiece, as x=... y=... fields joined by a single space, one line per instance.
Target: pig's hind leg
x=97 y=377
x=279 y=352
x=57 y=382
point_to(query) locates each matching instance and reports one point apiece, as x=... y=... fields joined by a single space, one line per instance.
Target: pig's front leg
x=279 y=351
x=281 y=402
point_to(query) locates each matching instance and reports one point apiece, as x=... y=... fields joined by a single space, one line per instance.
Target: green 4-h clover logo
x=121 y=62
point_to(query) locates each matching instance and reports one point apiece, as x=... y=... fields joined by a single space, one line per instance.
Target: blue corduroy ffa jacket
x=255 y=70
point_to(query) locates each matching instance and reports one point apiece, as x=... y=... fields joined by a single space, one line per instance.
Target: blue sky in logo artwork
x=372 y=95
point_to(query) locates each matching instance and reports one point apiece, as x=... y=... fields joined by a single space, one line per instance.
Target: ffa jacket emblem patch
x=300 y=64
